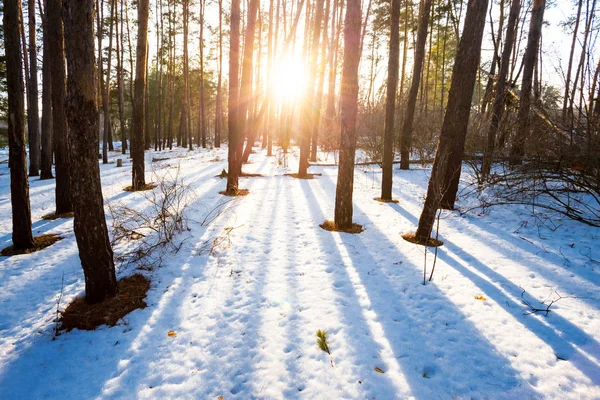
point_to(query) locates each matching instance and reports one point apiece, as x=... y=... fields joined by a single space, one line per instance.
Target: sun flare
x=290 y=80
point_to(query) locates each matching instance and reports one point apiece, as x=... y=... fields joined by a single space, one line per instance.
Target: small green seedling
x=322 y=341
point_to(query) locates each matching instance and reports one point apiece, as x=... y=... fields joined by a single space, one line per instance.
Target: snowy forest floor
x=246 y=311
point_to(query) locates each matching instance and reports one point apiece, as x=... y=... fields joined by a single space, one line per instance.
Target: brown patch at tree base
x=147 y=186
x=307 y=176
x=39 y=243
x=412 y=238
x=250 y=175
x=379 y=199
x=330 y=226
x=157 y=159
x=234 y=193
x=54 y=215
x=80 y=315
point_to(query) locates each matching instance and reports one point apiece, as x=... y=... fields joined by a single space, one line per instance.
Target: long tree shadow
x=128 y=347
x=429 y=336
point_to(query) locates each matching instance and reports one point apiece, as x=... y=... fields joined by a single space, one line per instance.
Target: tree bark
x=348 y=111
x=390 y=104
x=59 y=122
x=535 y=32
x=235 y=140
x=46 y=156
x=89 y=222
x=202 y=111
x=19 y=185
x=456 y=120
x=219 y=101
x=137 y=145
x=121 y=102
x=406 y=138
x=570 y=65
x=106 y=94
x=33 y=128
x=498 y=105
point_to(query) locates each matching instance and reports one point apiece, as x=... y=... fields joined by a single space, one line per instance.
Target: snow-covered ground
x=245 y=314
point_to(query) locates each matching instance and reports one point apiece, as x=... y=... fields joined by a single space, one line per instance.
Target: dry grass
x=54 y=215
x=307 y=176
x=235 y=193
x=379 y=199
x=39 y=243
x=80 y=315
x=147 y=186
x=330 y=226
x=410 y=237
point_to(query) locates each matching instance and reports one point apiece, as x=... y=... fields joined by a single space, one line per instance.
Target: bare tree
x=456 y=120
x=19 y=185
x=235 y=134
x=46 y=156
x=137 y=139
x=33 y=127
x=390 y=104
x=89 y=222
x=348 y=111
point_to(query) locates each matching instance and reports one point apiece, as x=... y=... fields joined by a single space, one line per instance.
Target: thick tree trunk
x=348 y=111
x=390 y=105
x=411 y=102
x=535 y=32
x=235 y=135
x=59 y=122
x=33 y=128
x=137 y=145
x=89 y=222
x=47 y=156
x=19 y=185
x=498 y=105
x=456 y=120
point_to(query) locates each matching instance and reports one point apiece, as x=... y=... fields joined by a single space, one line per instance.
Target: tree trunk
x=89 y=222
x=498 y=105
x=498 y=40
x=348 y=111
x=406 y=138
x=59 y=122
x=121 y=102
x=33 y=128
x=390 y=105
x=46 y=157
x=456 y=120
x=102 y=93
x=535 y=31
x=570 y=65
x=219 y=102
x=320 y=84
x=309 y=114
x=106 y=95
x=19 y=185
x=202 y=112
x=235 y=139
x=137 y=145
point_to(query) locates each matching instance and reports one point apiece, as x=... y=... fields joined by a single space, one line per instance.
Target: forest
x=273 y=199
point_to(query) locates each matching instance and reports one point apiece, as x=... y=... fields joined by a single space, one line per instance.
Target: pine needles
x=322 y=341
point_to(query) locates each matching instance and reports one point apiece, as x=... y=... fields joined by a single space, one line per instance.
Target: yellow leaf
x=171 y=334
x=247 y=281
x=377 y=369
x=480 y=298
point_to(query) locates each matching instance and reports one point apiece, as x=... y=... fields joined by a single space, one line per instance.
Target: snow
x=245 y=312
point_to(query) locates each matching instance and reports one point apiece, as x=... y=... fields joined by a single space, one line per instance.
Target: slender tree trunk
x=348 y=111
x=390 y=104
x=121 y=101
x=147 y=125
x=270 y=95
x=202 y=111
x=46 y=156
x=158 y=76
x=19 y=185
x=245 y=113
x=456 y=120
x=89 y=222
x=570 y=65
x=235 y=138
x=406 y=138
x=219 y=101
x=498 y=105
x=33 y=128
x=102 y=94
x=498 y=40
x=106 y=95
x=59 y=121
x=330 y=114
x=137 y=145
x=320 y=85
x=535 y=31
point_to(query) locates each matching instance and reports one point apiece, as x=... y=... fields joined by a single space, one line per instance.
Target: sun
x=290 y=80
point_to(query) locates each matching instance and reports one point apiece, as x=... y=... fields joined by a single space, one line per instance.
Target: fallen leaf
x=377 y=369
x=171 y=334
x=480 y=298
x=220 y=397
